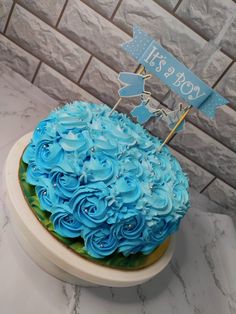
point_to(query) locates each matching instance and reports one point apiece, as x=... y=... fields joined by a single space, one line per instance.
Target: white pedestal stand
x=49 y=253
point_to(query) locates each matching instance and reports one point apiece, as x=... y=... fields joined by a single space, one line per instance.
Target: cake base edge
x=60 y=262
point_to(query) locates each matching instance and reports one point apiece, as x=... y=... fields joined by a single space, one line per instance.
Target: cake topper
x=173 y=73
x=181 y=80
x=140 y=69
x=172 y=117
x=143 y=112
x=134 y=84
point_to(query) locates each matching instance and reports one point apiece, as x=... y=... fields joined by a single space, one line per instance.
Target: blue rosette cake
x=98 y=183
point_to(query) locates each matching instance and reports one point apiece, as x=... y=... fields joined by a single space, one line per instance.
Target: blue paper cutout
x=172 y=117
x=173 y=73
x=142 y=113
x=134 y=84
x=210 y=105
x=138 y=44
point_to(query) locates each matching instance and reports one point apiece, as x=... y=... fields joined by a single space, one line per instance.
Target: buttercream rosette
x=101 y=179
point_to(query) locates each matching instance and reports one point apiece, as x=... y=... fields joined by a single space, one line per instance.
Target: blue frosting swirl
x=130 y=228
x=128 y=188
x=48 y=154
x=46 y=194
x=102 y=179
x=89 y=204
x=100 y=168
x=158 y=232
x=100 y=242
x=65 y=184
x=65 y=222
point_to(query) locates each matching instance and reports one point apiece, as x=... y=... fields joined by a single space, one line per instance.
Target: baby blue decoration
x=142 y=113
x=173 y=73
x=172 y=117
x=134 y=84
x=100 y=177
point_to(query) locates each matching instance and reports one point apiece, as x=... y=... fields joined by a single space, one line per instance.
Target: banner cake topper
x=173 y=73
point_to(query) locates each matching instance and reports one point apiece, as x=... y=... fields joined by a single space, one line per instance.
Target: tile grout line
x=180 y=152
x=223 y=74
x=201 y=166
x=198 y=127
x=104 y=18
x=92 y=94
x=89 y=53
x=163 y=104
x=165 y=8
x=30 y=53
x=208 y=184
x=76 y=83
x=109 y=67
x=36 y=72
x=67 y=38
x=214 y=138
x=60 y=15
x=177 y=6
x=194 y=161
x=46 y=63
x=9 y=17
x=189 y=158
x=17 y=44
x=202 y=36
x=116 y=9
x=41 y=60
x=227 y=54
x=232 y=106
x=83 y=88
x=85 y=68
x=173 y=15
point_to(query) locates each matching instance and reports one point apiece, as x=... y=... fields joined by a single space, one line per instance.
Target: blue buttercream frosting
x=102 y=179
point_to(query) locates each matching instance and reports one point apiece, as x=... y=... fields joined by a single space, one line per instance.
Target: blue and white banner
x=173 y=73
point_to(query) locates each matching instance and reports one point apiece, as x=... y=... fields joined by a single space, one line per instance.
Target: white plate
x=49 y=253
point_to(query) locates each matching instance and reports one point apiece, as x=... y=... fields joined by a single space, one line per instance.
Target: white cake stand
x=49 y=253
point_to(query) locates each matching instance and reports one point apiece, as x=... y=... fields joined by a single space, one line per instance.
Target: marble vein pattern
x=201 y=278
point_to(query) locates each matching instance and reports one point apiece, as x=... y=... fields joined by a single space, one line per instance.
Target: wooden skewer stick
x=170 y=135
x=139 y=70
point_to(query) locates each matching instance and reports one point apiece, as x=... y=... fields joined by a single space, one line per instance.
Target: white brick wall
x=71 y=49
x=5 y=8
x=208 y=17
x=46 y=43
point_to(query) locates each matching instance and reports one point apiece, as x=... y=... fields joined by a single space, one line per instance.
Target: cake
x=98 y=180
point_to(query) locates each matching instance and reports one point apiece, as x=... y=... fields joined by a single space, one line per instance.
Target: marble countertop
x=200 y=278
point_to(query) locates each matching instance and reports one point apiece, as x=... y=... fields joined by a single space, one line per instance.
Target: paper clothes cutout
x=172 y=117
x=141 y=112
x=134 y=84
x=173 y=73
